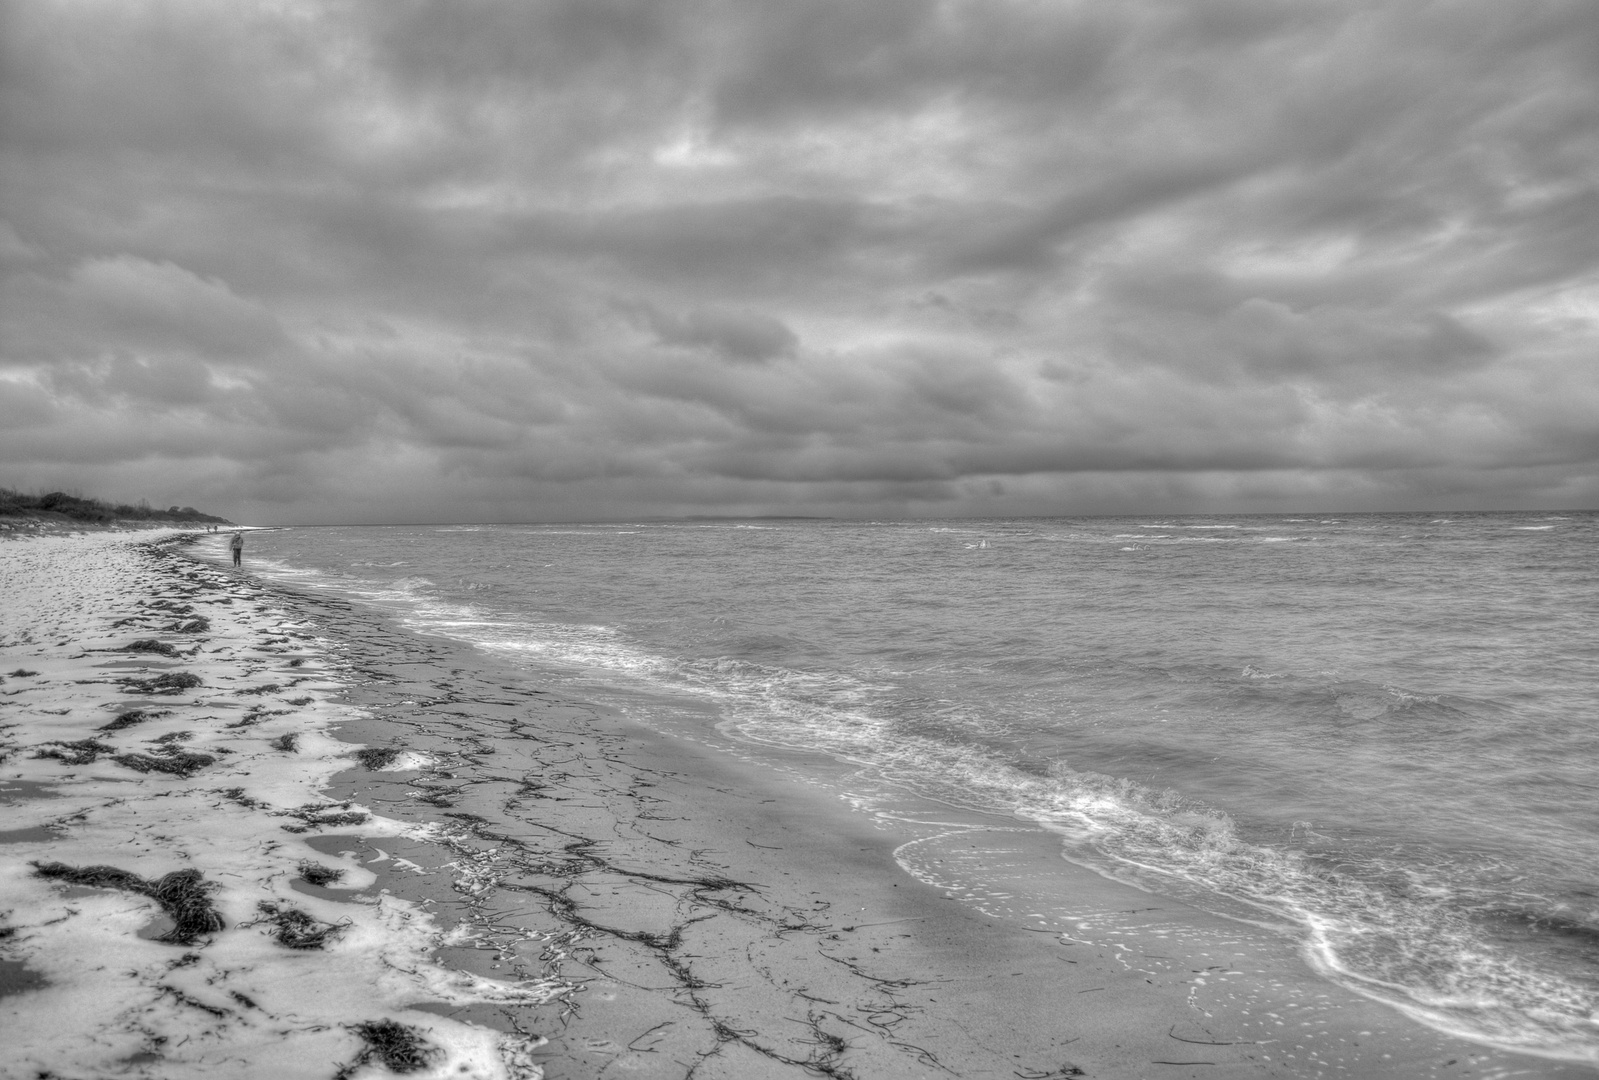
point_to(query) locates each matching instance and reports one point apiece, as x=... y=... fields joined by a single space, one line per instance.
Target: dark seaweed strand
x=182 y=894
x=319 y=875
x=81 y=752
x=172 y=682
x=149 y=645
x=399 y=1048
x=127 y=719
x=296 y=929
x=178 y=763
x=377 y=757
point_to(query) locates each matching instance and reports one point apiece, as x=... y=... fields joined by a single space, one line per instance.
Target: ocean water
x=1378 y=733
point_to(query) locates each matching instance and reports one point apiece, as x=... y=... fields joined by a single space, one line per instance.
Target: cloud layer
x=409 y=260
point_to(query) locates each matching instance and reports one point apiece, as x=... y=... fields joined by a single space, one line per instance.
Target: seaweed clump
x=295 y=929
x=317 y=874
x=149 y=645
x=171 y=682
x=183 y=894
x=167 y=759
x=81 y=752
x=128 y=719
x=336 y=815
x=399 y=1048
x=255 y=715
x=288 y=743
x=377 y=757
x=238 y=796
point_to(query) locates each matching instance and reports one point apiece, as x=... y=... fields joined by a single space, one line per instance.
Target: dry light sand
x=212 y=880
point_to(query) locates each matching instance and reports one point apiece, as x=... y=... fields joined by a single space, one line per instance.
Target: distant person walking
x=237 y=544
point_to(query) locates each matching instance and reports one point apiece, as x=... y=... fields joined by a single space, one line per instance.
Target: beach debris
x=183 y=894
x=128 y=719
x=81 y=752
x=237 y=795
x=167 y=758
x=335 y=814
x=149 y=645
x=188 y=622
x=171 y=682
x=319 y=875
x=21 y=673
x=255 y=715
x=192 y=1002
x=377 y=757
x=287 y=743
x=296 y=929
x=516 y=1052
x=397 y=1047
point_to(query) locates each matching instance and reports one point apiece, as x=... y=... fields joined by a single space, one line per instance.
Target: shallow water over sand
x=1377 y=731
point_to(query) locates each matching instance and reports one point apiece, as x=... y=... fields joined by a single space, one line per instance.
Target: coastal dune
x=254 y=833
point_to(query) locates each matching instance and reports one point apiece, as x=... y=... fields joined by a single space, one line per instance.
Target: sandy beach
x=248 y=832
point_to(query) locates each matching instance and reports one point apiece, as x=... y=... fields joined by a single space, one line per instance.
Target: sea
x=1377 y=733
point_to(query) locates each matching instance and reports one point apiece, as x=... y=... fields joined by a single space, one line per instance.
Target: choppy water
x=1381 y=730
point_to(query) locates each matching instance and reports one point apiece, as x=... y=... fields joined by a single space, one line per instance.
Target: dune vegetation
x=58 y=505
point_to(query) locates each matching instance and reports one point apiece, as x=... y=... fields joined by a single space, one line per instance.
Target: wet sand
x=534 y=887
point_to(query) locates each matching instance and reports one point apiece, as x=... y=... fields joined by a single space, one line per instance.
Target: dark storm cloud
x=595 y=257
x=735 y=335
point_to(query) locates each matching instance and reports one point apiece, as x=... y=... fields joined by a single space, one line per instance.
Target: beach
x=256 y=831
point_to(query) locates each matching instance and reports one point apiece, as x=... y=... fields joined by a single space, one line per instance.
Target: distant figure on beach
x=237 y=544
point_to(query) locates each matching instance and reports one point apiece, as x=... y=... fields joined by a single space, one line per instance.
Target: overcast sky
x=399 y=260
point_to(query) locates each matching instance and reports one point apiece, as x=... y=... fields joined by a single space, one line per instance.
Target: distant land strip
x=58 y=506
